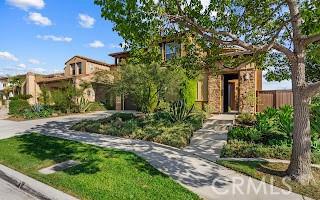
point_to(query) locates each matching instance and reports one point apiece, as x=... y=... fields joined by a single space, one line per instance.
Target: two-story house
x=77 y=70
x=229 y=90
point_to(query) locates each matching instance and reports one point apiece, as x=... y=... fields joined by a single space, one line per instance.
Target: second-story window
x=172 y=50
x=73 y=69
x=79 y=65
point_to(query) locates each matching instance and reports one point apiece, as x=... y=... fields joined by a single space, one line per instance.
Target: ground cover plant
x=269 y=134
x=160 y=127
x=273 y=173
x=102 y=174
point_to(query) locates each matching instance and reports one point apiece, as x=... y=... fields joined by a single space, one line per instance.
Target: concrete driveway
x=10 y=128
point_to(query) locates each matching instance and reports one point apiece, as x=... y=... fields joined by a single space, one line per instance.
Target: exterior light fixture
x=11 y=95
x=247 y=76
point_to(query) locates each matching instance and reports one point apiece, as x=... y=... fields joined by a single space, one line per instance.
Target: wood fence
x=273 y=98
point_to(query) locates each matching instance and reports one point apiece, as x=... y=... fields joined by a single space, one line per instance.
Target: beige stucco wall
x=88 y=67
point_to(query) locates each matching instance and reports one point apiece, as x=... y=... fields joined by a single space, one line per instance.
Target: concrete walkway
x=208 y=141
x=201 y=176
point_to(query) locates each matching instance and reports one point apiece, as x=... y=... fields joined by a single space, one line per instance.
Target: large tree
x=256 y=28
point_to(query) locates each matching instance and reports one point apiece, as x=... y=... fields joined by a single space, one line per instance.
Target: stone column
x=31 y=87
x=247 y=96
x=118 y=103
x=214 y=93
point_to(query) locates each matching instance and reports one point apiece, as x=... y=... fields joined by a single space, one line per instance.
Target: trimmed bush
x=17 y=107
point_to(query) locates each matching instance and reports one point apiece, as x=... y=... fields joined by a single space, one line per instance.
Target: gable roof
x=90 y=60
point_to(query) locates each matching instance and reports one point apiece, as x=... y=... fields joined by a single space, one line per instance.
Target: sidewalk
x=207 y=179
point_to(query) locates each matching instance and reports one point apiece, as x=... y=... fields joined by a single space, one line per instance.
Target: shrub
x=196 y=120
x=17 y=107
x=242 y=149
x=189 y=91
x=38 y=111
x=179 y=111
x=122 y=115
x=96 y=106
x=177 y=135
x=246 y=119
x=155 y=127
x=245 y=133
x=22 y=97
x=65 y=99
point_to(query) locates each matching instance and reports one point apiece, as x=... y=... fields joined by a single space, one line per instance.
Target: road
x=10 y=192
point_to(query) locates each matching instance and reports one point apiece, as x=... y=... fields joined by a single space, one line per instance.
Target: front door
x=230 y=94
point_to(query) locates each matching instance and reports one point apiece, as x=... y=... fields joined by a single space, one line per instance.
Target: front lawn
x=102 y=174
x=273 y=173
x=156 y=127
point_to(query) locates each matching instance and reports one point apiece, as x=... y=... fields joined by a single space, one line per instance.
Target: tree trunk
x=300 y=165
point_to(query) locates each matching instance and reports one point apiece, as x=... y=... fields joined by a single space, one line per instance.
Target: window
x=91 y=68
x=73 y=69
x=79 y=65
x=171 y=50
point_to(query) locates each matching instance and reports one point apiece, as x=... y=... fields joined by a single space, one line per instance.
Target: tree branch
x=312 y=89
x=310 y=39
x=290 y=55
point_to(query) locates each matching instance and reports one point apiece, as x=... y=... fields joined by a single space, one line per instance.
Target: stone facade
x=248 y=83
x=247 y=91
x=214 y=93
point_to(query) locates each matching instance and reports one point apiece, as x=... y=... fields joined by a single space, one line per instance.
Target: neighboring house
x=77 y=70
x=232 y=90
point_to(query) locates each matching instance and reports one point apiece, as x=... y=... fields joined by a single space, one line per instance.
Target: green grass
x=273 y=173
x=102 y=174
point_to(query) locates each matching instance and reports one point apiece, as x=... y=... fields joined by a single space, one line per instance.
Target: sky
x=40 y=35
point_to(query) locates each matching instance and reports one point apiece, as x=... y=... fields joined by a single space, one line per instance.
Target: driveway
x=207 y=179
x=10 y=128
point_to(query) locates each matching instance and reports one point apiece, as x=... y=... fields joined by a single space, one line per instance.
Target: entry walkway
x=208 y=141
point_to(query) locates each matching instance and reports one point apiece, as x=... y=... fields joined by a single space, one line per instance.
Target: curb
x=32 y=186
